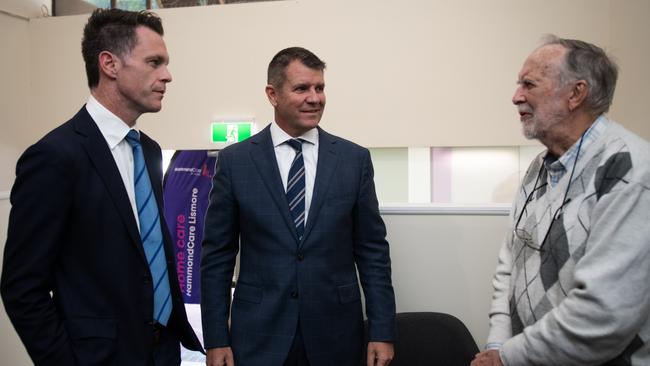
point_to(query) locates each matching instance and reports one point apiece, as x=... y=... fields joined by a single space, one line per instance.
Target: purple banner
x=186 y=189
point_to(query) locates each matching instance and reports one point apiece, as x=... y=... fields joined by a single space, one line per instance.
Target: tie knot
x=296 y=144
x=133 y=138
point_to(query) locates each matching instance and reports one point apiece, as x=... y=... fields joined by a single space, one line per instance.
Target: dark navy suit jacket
x=72 y=233
x=282 y=279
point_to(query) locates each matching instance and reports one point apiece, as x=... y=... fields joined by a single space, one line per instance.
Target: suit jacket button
x=294 y=294
x=301 y=256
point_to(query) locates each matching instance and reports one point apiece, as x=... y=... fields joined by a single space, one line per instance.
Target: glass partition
x=469 y=176
x=450 y=175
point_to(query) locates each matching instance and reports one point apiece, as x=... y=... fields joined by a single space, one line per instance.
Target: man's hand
x=487 y=358
x=220 y=356
x=380 y=353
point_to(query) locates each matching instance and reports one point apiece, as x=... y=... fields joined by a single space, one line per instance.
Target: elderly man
x=572 y=286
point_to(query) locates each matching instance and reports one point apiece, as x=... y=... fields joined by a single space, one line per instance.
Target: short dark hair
x=113 y=30
x=585 y=61
x=277 y=67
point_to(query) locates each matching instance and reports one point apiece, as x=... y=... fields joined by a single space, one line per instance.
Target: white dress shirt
x=114 y=131
x=285 y=154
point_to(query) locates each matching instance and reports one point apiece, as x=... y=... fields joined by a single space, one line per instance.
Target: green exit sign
x=231 y=131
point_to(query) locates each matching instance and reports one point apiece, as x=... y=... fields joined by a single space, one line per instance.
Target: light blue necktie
x=150 y=232
x=296 y=187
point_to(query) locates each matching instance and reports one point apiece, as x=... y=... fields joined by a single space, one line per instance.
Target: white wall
x=444 y=263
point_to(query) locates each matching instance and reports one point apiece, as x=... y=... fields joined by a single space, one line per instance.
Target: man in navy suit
x=297 y=301
x=76 y=279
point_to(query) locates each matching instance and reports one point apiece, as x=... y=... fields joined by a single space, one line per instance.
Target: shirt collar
x=589 y=137
x=279 y=136
x=111 y=126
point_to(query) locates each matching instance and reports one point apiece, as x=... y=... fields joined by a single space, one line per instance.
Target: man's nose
x=313 y=96
x=166 y=75
x=518 y=98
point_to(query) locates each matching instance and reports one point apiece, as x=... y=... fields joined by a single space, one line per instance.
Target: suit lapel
x=101 y=158
x=263 y=156
x=325 y=168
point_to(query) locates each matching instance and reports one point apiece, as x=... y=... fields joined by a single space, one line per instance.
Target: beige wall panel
x=441 y=73
x=630 y=46
x=427 y=74
x=57 y=71
x=14 y=95
x=14 y=123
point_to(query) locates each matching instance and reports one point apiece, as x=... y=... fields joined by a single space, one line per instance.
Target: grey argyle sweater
x=584 y=298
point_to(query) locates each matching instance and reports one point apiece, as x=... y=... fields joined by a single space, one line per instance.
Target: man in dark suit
x=88 y=266
x=301 y=205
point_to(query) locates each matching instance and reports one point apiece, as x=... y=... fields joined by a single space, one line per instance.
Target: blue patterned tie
x=296 y=187
x=150 y=232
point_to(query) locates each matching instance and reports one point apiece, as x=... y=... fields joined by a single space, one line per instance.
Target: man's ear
x=108 y=64
x=579 y=93
x=271 y=94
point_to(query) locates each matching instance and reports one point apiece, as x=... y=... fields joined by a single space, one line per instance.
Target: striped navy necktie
x=151 y=232
x=296 y=187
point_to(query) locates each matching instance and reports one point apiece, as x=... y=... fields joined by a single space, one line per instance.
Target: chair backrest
x=432 y=339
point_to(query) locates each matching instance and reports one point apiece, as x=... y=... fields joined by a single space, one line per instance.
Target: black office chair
x=432 y=339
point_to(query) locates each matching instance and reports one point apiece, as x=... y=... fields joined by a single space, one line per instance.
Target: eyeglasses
x=521 y=234
x=524 y=236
